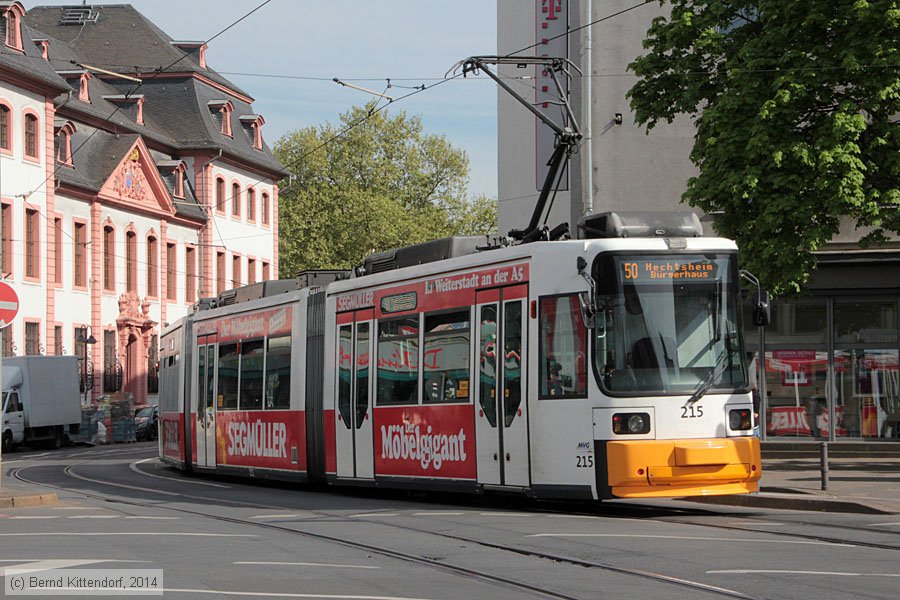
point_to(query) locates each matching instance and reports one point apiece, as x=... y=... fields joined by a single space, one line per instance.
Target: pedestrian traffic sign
x=9 y=304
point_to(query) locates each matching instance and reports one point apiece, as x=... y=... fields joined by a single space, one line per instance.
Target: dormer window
x=78 y=80
x=11 y=25
x=221 y=113
x=130 y=106
x=172 y=172
x=64 y=131
x=44 y=45
x=197 y=50
x=252 y=125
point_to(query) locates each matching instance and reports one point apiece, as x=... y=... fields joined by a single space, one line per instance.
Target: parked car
x=145 y=422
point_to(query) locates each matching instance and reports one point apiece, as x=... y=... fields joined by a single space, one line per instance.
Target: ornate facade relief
x=130 y=181
x=135 y=330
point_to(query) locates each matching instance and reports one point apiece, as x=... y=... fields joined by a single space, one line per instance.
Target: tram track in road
x=430 y=562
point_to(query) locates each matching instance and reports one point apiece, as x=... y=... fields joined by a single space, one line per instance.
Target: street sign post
x=9 y=308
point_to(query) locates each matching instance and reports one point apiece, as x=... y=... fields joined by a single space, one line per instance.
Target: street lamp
x=85 y=337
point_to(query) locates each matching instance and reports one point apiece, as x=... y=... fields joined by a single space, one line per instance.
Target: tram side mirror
x=762 y=312
x=588 y=310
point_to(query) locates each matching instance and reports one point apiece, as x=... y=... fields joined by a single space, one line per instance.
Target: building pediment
x=136 y=181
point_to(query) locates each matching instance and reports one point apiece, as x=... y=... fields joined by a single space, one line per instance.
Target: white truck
x=41 y=401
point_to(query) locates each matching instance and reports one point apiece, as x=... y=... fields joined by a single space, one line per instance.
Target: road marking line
x=74 y=508
x=133 y=467
x=290 y=595
x=46 y=565
x=283 y=516
x=788 y=572
x=749 y=523
x=304 y=564
x=503 y=514
x=160 y=533
x=882 y=524
x=36 y=517
x=93 y=517
x=677 y=537
x=437 y=514
x=155 y=518
x=364 y=515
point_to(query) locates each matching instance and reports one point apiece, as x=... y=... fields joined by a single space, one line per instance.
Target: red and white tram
x=594 y=368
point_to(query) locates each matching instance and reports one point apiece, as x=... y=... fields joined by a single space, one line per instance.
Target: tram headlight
x=739 y=420
x=631 y=423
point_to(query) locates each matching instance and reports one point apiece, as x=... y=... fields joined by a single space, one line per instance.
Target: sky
x=286 y=54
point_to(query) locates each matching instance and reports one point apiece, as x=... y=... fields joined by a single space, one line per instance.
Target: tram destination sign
x=656 y=269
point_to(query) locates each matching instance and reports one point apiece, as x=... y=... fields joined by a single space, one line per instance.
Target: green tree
x=796 y=106
x=382 y=184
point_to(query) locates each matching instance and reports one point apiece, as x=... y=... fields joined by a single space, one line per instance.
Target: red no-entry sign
x=9 y=304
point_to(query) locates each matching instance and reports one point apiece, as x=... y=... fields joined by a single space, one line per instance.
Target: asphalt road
x=121 y=509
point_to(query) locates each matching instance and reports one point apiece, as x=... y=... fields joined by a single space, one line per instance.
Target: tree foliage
x=382 y=184
x=796 y=105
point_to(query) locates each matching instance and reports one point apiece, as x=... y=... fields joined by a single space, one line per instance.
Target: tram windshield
x=668 y=324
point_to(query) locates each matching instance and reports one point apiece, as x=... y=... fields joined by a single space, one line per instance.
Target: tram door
x=501 y=422
x=355 y=451
x=206 y=405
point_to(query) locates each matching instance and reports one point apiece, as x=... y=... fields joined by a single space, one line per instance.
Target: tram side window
x=445 y=357
x=229 y=363
x=563 y=348
x=278 y=373
x=252 y=375
x=398 y=361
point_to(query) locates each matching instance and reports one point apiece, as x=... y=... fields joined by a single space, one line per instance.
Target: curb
x=30 y=500
x=764 y=500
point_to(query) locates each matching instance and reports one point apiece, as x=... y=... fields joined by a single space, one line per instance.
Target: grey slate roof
x=120 y=39
x=31 y=63
x=98 y=154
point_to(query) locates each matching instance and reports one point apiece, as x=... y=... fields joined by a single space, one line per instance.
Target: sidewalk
x=855 y=485
x=12 y=496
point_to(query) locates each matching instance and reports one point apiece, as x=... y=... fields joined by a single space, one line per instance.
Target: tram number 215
x=584 y=461
x=691 y=412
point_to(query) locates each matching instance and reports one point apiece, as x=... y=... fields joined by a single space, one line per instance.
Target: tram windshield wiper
x=707 y=381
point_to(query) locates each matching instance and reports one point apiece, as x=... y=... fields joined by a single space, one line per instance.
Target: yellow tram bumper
x=666 y=468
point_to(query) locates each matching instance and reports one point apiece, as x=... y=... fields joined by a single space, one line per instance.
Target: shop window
x=865 y=322
x=793 y=322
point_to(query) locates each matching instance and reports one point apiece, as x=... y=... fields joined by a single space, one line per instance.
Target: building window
x=58 y=349
x=9 y=347
x=220 y=272
x=32 y=229
x=171 y=270
x=31 y=136
x=32 y=338
x=80 y=255
x=109 y=259
x=220 y=194
x=190 y=275
x=111 y=370
x=7 y=215
x=179 y=182
x=152 y=266
x=5 y=127
x=236 y=200
x=57 y=251
x=130 y=262
x=251 y=204
x=64 y=144
x=235 y=271
x=251 y=270
x=265 y=271
x=264 y=208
